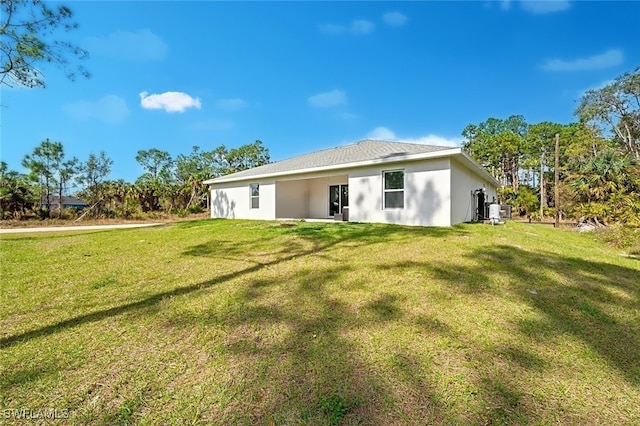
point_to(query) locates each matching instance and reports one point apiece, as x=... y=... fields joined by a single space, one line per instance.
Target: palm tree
x=606 y=186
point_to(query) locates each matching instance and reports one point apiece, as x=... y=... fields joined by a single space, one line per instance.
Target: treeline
x=168 y=185
x=599 y=167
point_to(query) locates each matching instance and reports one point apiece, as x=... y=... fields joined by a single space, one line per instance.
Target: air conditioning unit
x=494 y=213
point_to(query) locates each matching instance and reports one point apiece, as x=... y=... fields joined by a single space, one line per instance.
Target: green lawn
x=241 y=322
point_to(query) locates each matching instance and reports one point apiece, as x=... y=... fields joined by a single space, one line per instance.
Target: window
x=393 y=189
x=255 y=195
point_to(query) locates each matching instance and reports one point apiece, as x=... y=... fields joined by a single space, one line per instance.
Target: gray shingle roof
x=366 y=150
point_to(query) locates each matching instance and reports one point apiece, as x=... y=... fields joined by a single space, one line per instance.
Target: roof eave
x=481 y=170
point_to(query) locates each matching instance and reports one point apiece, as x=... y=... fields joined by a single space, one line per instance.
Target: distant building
x=67 y=202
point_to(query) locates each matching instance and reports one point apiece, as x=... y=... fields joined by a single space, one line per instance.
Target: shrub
x=195 y=209
x=620 y=236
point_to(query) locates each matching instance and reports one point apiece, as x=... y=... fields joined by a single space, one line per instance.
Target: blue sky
x=303 y=76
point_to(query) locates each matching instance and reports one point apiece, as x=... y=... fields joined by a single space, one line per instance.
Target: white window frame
x=385 y=191
x=252 y=197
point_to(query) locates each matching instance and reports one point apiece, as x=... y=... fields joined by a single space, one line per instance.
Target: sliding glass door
x=338 y=198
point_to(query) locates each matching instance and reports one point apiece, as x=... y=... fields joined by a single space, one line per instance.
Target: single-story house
x=368 y=181
x=67 y=202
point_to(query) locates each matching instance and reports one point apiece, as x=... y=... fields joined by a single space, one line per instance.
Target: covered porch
x=313 y=198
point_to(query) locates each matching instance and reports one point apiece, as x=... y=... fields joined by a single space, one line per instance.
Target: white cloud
x=435 y=140
x=395 y=19
x=540 y=7
x=608 y=59
x=141 y=45
x=110 y=109
x=232 y=104
x=328 y=99
x=169 y=101
x=384 y=133
x=381 y=133
x=358 y=26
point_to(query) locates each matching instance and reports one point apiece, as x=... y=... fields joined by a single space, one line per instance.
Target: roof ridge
x=405 y=143
x=347 y=145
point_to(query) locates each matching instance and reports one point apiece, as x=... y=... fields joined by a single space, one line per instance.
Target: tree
x=607 y=188
x=94 y=170
x=120 y=198
x=25 y=29
x=156 y=182
x=15 y=192
x=67 y=171
x=247 y=156
x=585 y=142
x=497 y=145
x=43 y=164
x=5 y=192
x=154 y=161
x=616 y=107
x=526 y=201
x=49 y=169
x=539 y=147
x=91 y=173
x=192 y=170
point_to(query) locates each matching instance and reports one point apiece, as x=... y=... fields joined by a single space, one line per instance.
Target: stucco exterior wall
x=426 y=194
x=233 y=201
x=463 y=183
x=292 y=199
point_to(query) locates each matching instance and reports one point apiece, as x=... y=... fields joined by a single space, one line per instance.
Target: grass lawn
x=242 y=322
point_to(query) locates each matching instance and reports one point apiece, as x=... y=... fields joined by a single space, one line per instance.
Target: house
x=67 y=202
x=369 y=181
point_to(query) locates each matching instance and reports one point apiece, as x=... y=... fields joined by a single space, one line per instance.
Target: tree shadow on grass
x=385 y=307
x=196 y=223
x=370 y=233
x=296 y=359
x=254 y=250
x=316 y=237
x=298 y=365
x=315 y=374
x=594 y=302
x=128 y=307
x=27 y=374
x=574 y=295
x=319 y=237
